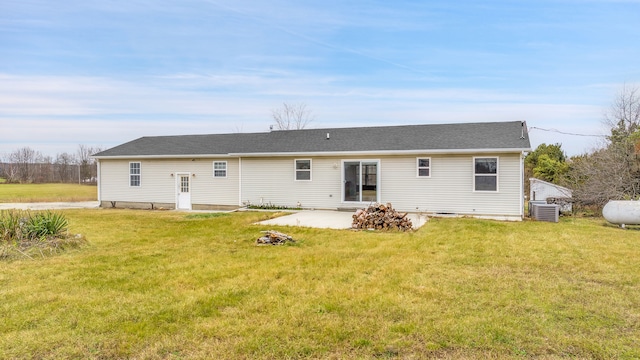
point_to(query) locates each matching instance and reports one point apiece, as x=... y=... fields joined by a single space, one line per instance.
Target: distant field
x=46 y=192
x=167 y=285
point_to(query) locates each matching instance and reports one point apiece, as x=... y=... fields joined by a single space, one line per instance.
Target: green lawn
x=46 y=192
x=161 y=285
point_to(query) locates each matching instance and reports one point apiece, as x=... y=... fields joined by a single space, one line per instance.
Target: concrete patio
x=328 y=219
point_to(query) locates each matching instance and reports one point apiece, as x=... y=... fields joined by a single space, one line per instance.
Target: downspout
x=98 y=165
x=240 y=181
x=522 y=185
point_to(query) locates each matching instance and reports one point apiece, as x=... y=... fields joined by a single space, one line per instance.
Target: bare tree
x=292 y=116
x=88 y=171
x=623 y=117
x=238 y=128
x=66 y=168
x=22 y=165
x=601 y=176
x=613 y=172
x=26 y=165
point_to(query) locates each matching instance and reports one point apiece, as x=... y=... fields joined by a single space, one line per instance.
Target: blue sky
x=101 y=73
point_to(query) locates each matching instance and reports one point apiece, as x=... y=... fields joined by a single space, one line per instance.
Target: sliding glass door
x=360 y=181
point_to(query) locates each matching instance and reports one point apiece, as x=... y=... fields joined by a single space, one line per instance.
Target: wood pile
x=272 y=237
x=381 y=217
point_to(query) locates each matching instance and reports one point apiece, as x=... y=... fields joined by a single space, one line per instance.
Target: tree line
x=26 y=165
x=611 y=172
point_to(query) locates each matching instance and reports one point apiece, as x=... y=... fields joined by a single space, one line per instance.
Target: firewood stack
x=272 y=237
x=381 y=217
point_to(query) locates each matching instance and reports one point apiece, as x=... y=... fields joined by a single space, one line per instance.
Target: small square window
x=424 y=167
x=220 y=169
x=303 y=170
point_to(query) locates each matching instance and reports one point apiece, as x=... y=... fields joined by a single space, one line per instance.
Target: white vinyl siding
x=450 y=189
x=160 y=181
x=273 y=181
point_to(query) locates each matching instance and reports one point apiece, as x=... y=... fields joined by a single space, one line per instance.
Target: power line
x=563 y=132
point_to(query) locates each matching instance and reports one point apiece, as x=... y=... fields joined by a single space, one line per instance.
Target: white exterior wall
x=448 y=190
x=159 y=186
x=272 y=180
x=541 y=190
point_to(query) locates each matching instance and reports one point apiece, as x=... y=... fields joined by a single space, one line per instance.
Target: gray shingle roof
x=436 y=137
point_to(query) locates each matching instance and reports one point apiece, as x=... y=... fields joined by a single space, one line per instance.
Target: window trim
x=418 y=167
x=296 y=170
x=139 y=174
x=497 y=158
x=226 y=169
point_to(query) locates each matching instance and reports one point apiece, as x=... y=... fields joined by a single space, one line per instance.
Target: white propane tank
x=622 y=212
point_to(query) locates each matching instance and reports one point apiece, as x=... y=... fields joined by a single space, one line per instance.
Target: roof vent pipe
x=522 y=135
x=328 y=136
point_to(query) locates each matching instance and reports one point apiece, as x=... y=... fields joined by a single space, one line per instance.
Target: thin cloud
x=119 y=70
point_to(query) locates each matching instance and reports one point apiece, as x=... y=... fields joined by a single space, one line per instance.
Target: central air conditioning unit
x=533 y=203
x=545 y=212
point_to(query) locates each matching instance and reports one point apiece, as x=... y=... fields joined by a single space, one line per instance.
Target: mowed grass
x=162 y=285
x=47 y=192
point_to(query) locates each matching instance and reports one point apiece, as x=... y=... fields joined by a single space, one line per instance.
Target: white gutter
x=322 y=153
x=167 y=156
x=383 y=152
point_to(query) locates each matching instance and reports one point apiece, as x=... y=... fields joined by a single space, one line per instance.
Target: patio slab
x=328 y=219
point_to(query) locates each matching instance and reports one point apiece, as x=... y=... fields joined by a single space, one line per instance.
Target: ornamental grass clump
x=46 y=225
x=23 y=233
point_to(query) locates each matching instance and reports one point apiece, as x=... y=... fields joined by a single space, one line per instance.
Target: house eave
x=322 y=153
x=164 y=156
x=384 y=152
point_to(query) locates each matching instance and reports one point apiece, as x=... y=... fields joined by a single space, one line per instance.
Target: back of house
x=473 y=169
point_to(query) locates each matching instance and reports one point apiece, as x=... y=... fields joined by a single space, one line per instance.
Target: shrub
x=23 y=233
x=46 y=225
x=16 y=226
x=11 y=225
x=270 y=206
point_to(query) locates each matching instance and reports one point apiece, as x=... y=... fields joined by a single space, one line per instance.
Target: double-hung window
x=485 y=171
x=303 y=170
x=134 y=174
x=220 y=169
x=424 y=167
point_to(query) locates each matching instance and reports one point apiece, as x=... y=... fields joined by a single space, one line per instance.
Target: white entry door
x=184 y=192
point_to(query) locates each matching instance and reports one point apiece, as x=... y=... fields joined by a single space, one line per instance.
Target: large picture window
x=485 y=174
x=134 y=174
x=220 y=169
x=303 y=170
x=424 y=167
